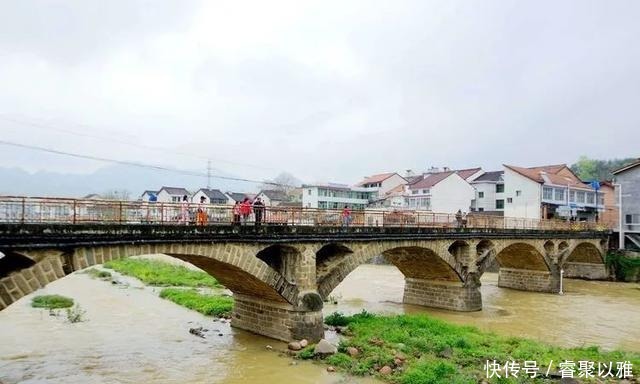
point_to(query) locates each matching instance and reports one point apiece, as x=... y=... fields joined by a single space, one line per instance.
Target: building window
x=480 y=195
x=601 y=199
x=590 y=198
x=480 y=209
x=547 y=193
x=499 y=188
x=308 y=192
x=559 y=194
x=580 y=197
x=572 y=196
x=628 y=219
x=509 y=200
x=500 y=204
x=518 y=193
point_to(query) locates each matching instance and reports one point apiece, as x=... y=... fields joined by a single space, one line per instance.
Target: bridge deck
x=17 y=236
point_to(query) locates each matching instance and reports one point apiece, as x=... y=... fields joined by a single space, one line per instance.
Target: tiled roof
x=274 y=194
x=490 y=176
x=175 y=191
x=376 y=178
x=466 y=173
x=214 y=194
x=237 y=196
x=627 y=167
x=550 y=174
x=429 y=180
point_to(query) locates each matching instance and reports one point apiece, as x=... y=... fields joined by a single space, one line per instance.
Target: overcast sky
x=327 y=90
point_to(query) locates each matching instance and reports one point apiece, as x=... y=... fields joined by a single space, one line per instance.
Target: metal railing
x=15 y=209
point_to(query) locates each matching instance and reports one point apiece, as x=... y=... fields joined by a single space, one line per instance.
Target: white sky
x=326 y=90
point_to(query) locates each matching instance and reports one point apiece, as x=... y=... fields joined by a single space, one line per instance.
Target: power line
x=136 y=164
x=137 y=145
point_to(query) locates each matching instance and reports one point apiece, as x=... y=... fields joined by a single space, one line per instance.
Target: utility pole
x=208 y=174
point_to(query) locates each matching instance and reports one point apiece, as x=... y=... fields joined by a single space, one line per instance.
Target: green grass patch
x=51 y=302
x=210 y=305
x=97 y=273
x=439 y=352
x=158 y=273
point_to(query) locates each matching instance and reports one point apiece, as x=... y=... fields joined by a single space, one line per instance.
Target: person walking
x=258 y=210
x=459 y=218
x=245 y=210
x=346 y=216
x=184 y=210
x=237 y=212
x=202 y=216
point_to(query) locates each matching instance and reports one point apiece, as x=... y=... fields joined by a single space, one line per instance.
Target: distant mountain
x=15 y=181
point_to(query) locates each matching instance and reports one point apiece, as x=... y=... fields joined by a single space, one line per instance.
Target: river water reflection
x=132 y=336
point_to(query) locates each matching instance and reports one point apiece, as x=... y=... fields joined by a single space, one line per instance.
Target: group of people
x=461 y=219
x=242 y=211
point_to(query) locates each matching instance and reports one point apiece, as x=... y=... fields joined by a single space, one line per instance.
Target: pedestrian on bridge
x=258 y=210
x=236 y=213
x=202 y=217
x=346 y=216
x=245 y=210
x=459 y=218
x=184 y=210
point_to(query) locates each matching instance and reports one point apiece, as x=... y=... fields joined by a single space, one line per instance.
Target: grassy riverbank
x=421 y=349
x=158 y=273
x=210 y=305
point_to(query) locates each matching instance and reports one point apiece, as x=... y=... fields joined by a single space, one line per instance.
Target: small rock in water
x=304 y=343
x=293 y=363
x=197 y=332
x=325 y=348
x=385 y=370
x=331 y=369
x=353 y=352
x=220 y=334
x=269 y=347
x=295 y=346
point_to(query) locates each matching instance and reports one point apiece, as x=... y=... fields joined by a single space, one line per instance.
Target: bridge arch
x=521 y=255
x=14 y=261
x=414 y=260
x=585 y=252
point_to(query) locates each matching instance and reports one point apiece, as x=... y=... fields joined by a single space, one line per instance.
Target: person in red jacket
x=346 y=216
x=245 y=210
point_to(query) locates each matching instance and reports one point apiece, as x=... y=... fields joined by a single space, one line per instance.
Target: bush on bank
x=421 y=349
x=626 y=268
x=158 y=273
x=51 y=302
x=210 y=305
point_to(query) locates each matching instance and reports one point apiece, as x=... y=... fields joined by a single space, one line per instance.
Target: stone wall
x=276 y=320
x=588 y=271
x=528 y=280
x=442 y=294
x=30 y=279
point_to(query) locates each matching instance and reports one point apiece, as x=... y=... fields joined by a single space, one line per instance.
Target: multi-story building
x=627 y=183
x=549 y=191
x=445 y=192
x=273 y=197
x=489 y=193
x=336 y=196
x=382 y=183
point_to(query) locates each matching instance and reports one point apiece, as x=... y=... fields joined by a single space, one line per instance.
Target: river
x=132 y=336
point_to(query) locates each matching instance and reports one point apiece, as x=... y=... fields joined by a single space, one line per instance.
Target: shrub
x=159 y=273
x=210 y=305
x=51 y=302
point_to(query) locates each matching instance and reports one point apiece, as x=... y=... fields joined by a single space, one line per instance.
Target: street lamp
x=620 y=229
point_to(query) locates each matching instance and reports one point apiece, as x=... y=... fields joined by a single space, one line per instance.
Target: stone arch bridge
x=280 y=275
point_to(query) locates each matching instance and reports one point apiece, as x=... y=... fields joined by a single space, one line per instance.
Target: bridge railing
x=79 y=211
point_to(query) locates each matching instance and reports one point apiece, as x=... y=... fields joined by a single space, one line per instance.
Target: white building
x=171 y=194
x=489 y=196
x=146 y=195
x=211 y=196
x=272 y=197
x=382 y=183
x=551 y=191
x=445 y=192
x=335 y=196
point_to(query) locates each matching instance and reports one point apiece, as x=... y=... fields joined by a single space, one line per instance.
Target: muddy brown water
x=132 y=336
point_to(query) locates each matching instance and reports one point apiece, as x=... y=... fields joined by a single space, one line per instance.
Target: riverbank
x=412 y=349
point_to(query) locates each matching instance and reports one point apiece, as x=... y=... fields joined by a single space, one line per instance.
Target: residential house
x=393 y=199
x=382 y=183
x=445 y=192
x=609 y=214
x=171 y=194
x=273 y=197
x=336 y=196
x=627 y=182
x=548 y=191
x=212 y=196
x=489 y=194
